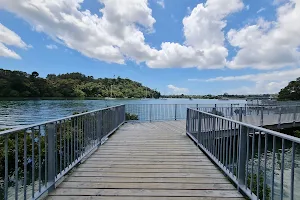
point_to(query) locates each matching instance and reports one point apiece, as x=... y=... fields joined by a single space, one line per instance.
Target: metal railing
x=33 y=158
x=259 y=161
x=158 y=112
x=255 y=115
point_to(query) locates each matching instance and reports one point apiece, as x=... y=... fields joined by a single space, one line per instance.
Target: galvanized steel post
x=262 y=116
x=242 y=156
x=51 y=156
x=240 y=114
x=175 y=112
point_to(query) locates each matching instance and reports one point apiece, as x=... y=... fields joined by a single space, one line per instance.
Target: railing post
x=150 y=112
x=175 y=112
x=99 y=127
x=240 y=114
x=279 y=118
x=187 y=120
x=199 y=127
x=242 y=156
x=124 y=113
x=245 y=109
x=197 y=106
x=294 y=116
x=51 y=156
x=231 y=111
x=262 y=116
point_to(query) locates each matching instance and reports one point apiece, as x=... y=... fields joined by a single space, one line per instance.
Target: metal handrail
x=35 y=157
x=240 y=150
x=19 y=128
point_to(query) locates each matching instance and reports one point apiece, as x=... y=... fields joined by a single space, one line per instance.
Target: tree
x=291 y=91
x=34 y=74
x=21 y=84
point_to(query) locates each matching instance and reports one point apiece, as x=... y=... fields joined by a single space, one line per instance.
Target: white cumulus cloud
x=10 y=38
x=117 y=33
x=269 y=82
x=177 y=90
x=204 y=38
x=269 y=44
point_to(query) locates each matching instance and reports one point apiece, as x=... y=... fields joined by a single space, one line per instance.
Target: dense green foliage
x=130 y=116
x=21 y=84
x=291 y=91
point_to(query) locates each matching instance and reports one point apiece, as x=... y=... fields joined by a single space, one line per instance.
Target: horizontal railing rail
x=33 y=158
x=158 y=112
x=259 y=161
x=276 y=116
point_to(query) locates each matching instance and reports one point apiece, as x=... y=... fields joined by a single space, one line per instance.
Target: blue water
x=24 y=112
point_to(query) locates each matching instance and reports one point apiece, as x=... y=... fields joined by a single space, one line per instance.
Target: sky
x=174 y=46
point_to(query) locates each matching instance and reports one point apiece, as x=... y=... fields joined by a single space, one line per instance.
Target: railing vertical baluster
x=252 y=159
x=16 y=165
x=199 y=128
x=262 y=116
x=25 y=166
x=292 y=172
x=40 y=160
x=242 y=143
x=227 y=145
x=294 y=116
x=214 y=136
x=282 y=169
x=60 y=148
x=230 y=146
x=64 y=143
x=279 y=118
x=6 y=167
x=223 y=142
x=46 y=154
x=247 y=158
x=187 y=120
x=175 y=117
x=258 y=164
x=265 y=167
x=273 y=166
x=150 y=112
x=51 y=157
x=32 y=162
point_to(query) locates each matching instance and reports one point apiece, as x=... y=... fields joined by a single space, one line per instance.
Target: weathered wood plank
x=148 y=180
x=143 y=170
x=141 y=166
x=146 y=192
x=153 y=175
x=137 y=198
x=129 y=162
x=169 y=186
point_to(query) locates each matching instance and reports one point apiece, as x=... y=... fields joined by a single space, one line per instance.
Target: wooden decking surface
x=147 y=161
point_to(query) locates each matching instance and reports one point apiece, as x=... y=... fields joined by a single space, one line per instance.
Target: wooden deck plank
x=137 y=198
x=143 y=170
x=141 y=166
x=147 y=161
x=169 y=186
x=145 y=192
x=148 y=180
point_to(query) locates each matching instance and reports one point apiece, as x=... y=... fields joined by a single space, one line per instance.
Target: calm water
x=23 y=112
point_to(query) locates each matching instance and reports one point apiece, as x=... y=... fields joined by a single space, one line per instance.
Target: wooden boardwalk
x=147 y=161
